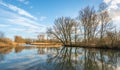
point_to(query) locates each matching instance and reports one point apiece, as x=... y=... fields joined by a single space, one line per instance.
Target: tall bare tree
x=104 y=19
x=76 y=32
x=89 y=21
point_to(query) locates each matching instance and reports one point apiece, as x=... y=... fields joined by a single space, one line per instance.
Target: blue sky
x=28 y=18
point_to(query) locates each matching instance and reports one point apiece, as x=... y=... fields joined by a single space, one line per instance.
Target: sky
x=28 y=18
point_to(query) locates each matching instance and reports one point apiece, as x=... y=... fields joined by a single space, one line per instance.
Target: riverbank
x=41 y=45
x=5 y=45
x=46 y=43
x=50 y=45
x=95 y=47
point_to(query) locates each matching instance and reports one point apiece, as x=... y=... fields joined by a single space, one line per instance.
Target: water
x=64 y=58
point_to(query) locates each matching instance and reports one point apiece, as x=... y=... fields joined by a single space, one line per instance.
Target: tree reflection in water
x=69 y=58
x=1 y=57
x=65 y=58
x=4 y=51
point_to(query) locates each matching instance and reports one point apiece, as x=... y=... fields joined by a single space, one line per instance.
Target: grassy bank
x=5 y=45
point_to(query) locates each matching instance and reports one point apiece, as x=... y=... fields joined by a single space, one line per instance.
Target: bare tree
x=76 y=32
x=102 y=7
x=63 y=30
x=89 y=21
x=41 y=37
x=92 y=27
x=105 y=20
x=112 y=38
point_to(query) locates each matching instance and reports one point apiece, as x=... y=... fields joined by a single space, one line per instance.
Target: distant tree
x=41 y=37
x=19 y=39
x=28 y=41
x=1 y=34
x=6 y=41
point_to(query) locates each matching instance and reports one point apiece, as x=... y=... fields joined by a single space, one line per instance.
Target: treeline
x=19 y=39
x=4 y=41
x=92 y=28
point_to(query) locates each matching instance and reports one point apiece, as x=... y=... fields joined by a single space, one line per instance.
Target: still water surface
x=64 y=58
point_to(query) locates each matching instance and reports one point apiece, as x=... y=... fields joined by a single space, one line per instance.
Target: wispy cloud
x=17 y=24
x=42 y=18
x=17 y=29
x=18 y=20
x=24 y=1
x=4 y=25
x=17 y=10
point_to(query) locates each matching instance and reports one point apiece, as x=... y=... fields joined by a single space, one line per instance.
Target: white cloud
x=42 y=18
x=18 y=10
x=112 y=1
x=114 y=10
x=17 y=29
x=107 y=1
x=112 y=4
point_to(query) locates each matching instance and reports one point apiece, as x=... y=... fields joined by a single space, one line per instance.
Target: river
x=63 y=58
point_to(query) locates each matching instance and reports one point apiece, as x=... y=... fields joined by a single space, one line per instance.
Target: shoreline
x=94 y=47
x=49 y=45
